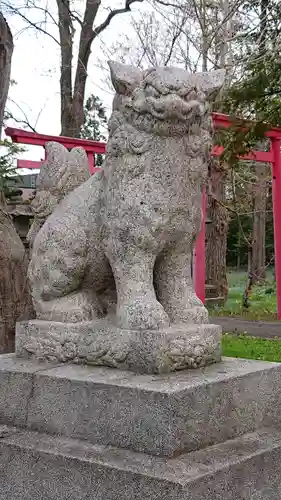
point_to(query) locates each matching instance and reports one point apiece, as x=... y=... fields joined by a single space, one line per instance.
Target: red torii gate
x=273 y=156
x=25 y=137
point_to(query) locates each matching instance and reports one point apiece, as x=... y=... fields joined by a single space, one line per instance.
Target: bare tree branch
x=188 y=36
x=169 y=4
x=111 y=15
x=72 y=92
x=174 y=39
x=17 y=11
x=229 y=15
x=199 y=16
x=73 y=14
x=25 y=120
x=46 y=12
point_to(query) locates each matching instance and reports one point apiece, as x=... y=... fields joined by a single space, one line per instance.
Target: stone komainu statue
x=60 y=174
x=120 y=245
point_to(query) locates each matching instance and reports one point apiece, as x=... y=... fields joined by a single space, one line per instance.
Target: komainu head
x=164 y=101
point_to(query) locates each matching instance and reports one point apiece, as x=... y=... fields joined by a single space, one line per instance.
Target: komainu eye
x=151 y=91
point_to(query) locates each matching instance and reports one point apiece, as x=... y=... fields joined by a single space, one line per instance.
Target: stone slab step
x=160 y=415
x=42 y=467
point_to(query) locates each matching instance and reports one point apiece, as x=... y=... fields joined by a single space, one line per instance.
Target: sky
x=35 y=69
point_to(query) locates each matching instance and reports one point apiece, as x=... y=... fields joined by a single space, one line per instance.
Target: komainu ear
x=78 y=156
x=52 y=167
x=124 y=78
x=211 y=80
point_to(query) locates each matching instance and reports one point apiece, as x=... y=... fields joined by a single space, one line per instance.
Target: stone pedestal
x=94 y=433
x=103 y=343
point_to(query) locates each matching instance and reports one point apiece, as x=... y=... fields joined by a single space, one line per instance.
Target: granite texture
x=36 y=466
x=59 y=174
x=16 y=388
x=161 y=415
x=102 y=343
x=121 y=243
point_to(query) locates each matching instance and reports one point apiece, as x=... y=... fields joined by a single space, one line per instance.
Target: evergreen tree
x=95 y=125
x=256 y=95
x=8 y=170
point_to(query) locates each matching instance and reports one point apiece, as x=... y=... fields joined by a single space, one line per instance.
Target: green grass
x=262 y=307
x=262 y=304
x=251 y=348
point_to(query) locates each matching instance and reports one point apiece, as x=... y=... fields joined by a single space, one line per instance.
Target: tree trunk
x=72 y=97
x=6 y=51
x=260 y=186
x=15 y=300
x=66 y=50
x=260 y=189
x=216 y=231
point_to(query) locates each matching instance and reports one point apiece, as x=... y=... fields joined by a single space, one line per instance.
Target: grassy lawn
x=262 y=300
x=262 y=307
x=251 y=348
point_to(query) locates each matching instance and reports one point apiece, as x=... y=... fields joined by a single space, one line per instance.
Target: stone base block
x=161 y=415
x=102 y=343
x=37 y=466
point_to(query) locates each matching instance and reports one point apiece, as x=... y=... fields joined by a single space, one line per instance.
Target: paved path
x=264 y=329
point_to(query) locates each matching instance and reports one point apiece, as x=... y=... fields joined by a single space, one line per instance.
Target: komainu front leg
x=137 y=306
x=174 y=287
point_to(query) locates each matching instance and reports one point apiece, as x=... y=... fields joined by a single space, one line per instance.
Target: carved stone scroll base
x=102 y=343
